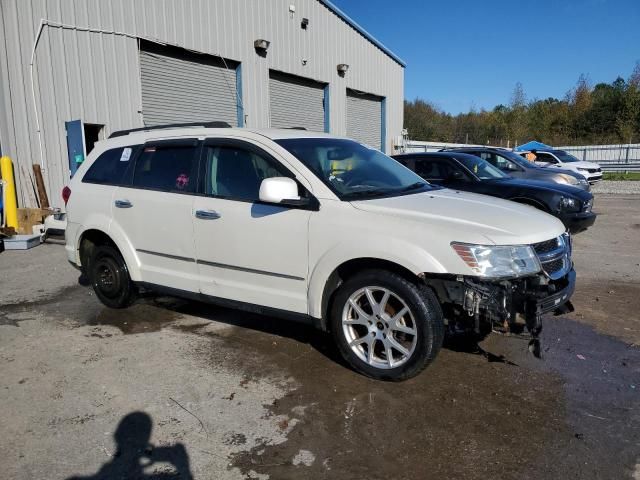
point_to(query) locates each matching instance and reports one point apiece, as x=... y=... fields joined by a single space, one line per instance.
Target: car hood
x=469 y=217
x=538 y=185
x=576 y=165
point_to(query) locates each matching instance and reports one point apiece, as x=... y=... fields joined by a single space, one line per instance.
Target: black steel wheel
x=110 y=278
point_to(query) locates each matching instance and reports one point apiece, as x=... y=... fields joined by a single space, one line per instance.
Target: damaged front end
x=511 y=305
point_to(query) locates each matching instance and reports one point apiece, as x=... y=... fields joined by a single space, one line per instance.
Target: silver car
x=515 y=166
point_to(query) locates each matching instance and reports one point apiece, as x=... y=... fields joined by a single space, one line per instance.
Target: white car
x=561 y=159
x=317 y=228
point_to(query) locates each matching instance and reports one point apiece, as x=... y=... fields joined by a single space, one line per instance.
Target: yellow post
x=9 y=190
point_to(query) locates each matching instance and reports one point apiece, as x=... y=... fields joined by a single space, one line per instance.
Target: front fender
x=402 y=253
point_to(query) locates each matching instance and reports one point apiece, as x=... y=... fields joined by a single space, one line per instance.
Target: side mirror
x=455 y=176
x=281 y=190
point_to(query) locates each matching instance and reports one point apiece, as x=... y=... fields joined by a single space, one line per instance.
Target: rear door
x=154 y=212
x=246 y=250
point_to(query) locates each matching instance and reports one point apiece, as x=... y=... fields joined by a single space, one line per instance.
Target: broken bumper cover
x=557 y=300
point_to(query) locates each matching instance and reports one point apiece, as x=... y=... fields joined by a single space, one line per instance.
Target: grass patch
x=621 y=176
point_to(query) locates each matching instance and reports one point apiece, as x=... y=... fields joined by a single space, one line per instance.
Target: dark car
x=517 y=167
x=469 y=173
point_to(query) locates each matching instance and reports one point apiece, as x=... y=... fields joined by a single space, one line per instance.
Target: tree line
x=600 y=114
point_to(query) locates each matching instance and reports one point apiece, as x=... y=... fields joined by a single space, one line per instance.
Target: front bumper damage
x=510 y=306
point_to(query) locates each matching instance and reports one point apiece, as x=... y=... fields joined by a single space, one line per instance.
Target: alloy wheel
x=379 y=327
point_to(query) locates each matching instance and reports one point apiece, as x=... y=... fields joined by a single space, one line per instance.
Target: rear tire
x=385 y=326
x=110 y=278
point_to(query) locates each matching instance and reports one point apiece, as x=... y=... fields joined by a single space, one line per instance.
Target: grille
x=546 y=246
x=554 y=266
x=554 y=256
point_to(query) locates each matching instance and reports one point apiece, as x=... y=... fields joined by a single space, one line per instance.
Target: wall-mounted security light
x=261 y=46
x=342 y=69
x=304 y=23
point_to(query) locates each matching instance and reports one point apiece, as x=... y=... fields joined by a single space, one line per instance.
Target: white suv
x=561 y=159
x=317 y=228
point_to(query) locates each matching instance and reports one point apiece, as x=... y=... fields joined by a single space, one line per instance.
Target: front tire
x=385 y=326
x=110 y=278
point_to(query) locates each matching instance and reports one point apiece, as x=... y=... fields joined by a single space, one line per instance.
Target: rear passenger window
x=167 y=168
x=110 y=166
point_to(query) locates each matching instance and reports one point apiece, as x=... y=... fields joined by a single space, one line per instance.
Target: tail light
x=66 y=193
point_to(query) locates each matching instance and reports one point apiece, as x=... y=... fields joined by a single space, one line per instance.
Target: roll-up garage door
x=364 y=118
x=181 y=86
x=296 y=102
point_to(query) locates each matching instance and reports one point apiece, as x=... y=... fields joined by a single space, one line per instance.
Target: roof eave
x=362 y=31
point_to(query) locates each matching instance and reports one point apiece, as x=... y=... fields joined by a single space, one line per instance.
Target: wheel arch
x=320 y=304
x=91 y=237
x=531 y=202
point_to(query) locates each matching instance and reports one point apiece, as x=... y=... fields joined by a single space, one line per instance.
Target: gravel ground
x=616 y=186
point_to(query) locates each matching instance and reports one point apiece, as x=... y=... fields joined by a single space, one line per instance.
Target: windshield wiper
x=413 y=186
x=372 y=192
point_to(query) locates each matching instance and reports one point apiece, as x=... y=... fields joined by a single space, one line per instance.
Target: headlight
x=583 y=169
x=583 y=181
x=567 y=179
x=567 y=203
x=498 y=261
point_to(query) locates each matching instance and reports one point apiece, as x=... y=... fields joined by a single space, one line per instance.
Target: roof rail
x=295 y=128
x=121 y=133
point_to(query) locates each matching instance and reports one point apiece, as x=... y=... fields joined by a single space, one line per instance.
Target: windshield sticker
x=126 y=155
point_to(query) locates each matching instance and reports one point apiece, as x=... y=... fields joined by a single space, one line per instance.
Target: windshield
x=352 y=170
x=481 y=168
x=564 y=156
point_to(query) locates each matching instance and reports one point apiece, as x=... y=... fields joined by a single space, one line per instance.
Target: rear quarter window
x=109 y=168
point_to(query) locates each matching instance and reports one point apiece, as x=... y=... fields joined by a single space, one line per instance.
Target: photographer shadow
x=135 y=454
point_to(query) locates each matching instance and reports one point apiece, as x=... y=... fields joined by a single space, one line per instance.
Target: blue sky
x=470 y=53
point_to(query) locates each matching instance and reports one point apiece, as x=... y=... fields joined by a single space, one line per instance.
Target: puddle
x=467 y=416
x=140 y=318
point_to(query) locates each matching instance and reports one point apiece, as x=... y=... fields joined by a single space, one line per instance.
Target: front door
x=155 y=211
x=246 y=250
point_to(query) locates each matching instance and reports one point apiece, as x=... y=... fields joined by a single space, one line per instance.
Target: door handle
x=207 y=214
x=123 y=204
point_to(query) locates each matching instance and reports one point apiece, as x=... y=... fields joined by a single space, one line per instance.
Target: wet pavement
x=475 y=413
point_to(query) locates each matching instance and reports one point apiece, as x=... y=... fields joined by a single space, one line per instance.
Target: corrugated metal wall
x=80 y=74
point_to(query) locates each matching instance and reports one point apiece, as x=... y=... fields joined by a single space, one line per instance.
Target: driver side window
x=434 y=170
x=545 y=157
x=236 y=173
x=496 y=160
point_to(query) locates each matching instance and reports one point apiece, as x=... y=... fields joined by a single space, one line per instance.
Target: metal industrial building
x=73 y=71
